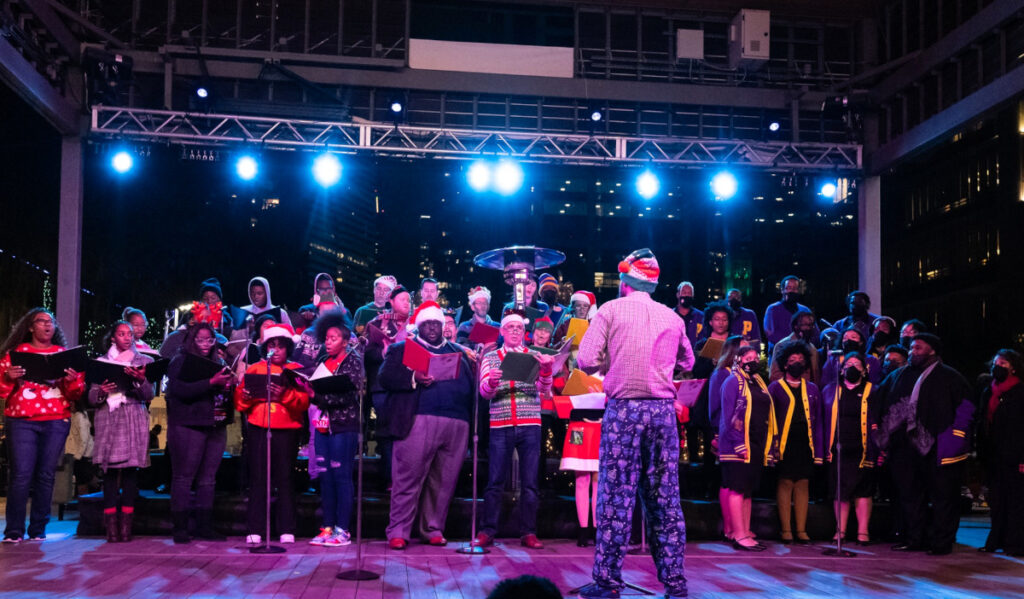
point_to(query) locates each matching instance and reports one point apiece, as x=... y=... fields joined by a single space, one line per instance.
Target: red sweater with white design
x=38 y=401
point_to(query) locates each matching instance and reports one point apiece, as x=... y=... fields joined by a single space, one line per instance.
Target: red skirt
x=582 y=446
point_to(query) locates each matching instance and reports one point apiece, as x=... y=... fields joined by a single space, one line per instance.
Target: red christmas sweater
x=38 y=401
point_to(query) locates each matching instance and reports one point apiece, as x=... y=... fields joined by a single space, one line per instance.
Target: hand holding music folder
x=257 y=385
x=98 y=372
x=322 y=381
x=197 y=368
x=442 y=367
x=520 y=367
x=46 y=368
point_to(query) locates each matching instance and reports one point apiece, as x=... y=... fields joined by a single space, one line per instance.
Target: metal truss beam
x=225 y=130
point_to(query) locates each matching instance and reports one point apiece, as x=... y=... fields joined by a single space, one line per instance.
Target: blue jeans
x=526 y=441
x=34 y=449
x=336 y=451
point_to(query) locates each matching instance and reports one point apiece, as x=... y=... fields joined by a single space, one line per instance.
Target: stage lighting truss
x=164 y=126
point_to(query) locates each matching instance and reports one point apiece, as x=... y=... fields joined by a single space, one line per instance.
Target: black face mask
x=686 y=301
x=796 y=370
x=850 y=345
x=852 y=375
x=905 y=341
x=1000 y=373
x=735 y=304
x=790 y=299
x=750 y=367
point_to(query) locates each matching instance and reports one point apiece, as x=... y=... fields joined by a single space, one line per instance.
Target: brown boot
x=125 y=526
x=110 y=521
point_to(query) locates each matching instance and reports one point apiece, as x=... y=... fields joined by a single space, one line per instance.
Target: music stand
x=472 y=548
x=358 y=573
x=266 y=547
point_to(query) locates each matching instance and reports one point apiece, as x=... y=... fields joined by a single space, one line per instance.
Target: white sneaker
x=287 y=539
x=253 y=540
x=340 y=538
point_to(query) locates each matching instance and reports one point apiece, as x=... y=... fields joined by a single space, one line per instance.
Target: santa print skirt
x=582 y=445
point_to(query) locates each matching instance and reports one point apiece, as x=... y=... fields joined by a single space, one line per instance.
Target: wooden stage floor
x=68 y=566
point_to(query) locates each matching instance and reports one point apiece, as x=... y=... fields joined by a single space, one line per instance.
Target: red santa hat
x=282 y=329
x=589 y=298
x=479 y=292
x=640 y=270
x=428 y=311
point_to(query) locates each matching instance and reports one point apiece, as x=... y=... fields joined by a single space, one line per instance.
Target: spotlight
x=327 y=169
x=202 y=92
x=596 y=116
x=247 y=168
x=396 y=106
x=647 y=185
x=724 y=185
x=828 y=190
x=508 y=177
x=774 y=126
x=122 y=162
x=479 y=176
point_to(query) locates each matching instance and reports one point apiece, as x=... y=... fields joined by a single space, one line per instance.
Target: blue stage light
x=647 y=185
x=396 y=107
x=202 y=92
x=479 y=175
x=327 y=169
x=596 y=116
x=774 y=126
x=122 y=162
x=828 y=190
x=508 y=177
x=247 y=168
x=724 y=185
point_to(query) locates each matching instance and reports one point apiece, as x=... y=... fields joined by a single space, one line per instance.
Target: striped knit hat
x=640 y=270
x=546 y=280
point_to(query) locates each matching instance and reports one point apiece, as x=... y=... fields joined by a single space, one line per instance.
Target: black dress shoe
x=907 y=547
x=944 y=550
x=987 y=549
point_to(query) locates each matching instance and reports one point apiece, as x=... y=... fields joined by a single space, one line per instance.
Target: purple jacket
x=870 y=417
x=811 y=405
x=694 y=324
x=734 y=425
x=828 y=371
x=777 y=322
x=715 y=396
x=953 y=444
x=745 y=324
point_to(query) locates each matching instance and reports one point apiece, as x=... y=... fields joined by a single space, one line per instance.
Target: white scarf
x=117 y=398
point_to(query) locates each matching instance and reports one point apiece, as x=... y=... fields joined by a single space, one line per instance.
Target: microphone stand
x=472 y=548
x=266 y=547
x=358 y=573
x=838 y=550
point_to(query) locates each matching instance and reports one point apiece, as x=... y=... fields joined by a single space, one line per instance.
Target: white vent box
x=689 y=44
x=749 y=39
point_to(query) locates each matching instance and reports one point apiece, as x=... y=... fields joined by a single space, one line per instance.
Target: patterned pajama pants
x=640 y=449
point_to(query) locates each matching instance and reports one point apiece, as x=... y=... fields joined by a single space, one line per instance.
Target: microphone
x=271 y=352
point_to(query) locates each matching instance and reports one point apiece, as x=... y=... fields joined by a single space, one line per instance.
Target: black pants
x=921 y=481
x=283 y=450
x=120 y=487
x=196 y=453
x=1006 y=498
